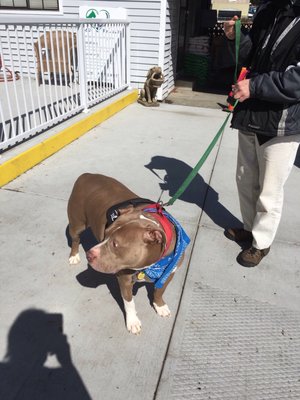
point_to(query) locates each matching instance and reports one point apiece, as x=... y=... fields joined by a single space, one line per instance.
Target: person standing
x=267 y=117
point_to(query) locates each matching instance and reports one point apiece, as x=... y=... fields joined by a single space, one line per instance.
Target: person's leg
x=247 y=177
x=276 y=158
x=247 y=180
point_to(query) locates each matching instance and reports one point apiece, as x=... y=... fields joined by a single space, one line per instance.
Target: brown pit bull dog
x=125 y=235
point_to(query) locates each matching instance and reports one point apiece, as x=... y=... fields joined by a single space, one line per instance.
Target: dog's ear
x=154 y=236
x=150 y=72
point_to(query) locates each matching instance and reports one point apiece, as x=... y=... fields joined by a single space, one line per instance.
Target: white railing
x=50 y=71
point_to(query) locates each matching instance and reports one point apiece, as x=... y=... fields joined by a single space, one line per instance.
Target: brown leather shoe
x=251 y=257
x=238 y=235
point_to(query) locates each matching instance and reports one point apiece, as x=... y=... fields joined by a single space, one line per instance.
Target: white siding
x=171 y=43
x=154 y=34
x=146 y=38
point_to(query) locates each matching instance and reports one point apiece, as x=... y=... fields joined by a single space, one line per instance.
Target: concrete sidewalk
x=234 y=333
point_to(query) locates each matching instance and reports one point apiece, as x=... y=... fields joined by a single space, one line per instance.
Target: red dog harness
x=164 y=222
x=88 y=239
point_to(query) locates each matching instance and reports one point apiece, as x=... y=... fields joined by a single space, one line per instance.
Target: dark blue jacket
x=272 y=53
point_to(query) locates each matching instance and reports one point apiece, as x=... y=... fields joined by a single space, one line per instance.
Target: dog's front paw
x=133 y=324
x=74 y=259
x=163 y=311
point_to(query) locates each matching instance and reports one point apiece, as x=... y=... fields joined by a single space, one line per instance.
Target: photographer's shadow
x=198 y=192
x=36 y=339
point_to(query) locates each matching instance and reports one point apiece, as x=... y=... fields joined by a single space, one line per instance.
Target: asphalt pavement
x=234 y=332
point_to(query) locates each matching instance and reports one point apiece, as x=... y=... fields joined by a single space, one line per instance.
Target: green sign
x=91 y=13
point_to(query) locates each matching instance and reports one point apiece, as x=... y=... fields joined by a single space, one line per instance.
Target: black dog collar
x=88 y=239
x=113 y=212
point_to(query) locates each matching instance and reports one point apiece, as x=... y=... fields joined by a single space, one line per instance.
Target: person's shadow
x=35 y=339
x=198 y=192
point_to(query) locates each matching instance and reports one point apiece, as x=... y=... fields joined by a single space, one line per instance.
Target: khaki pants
x=262 y=171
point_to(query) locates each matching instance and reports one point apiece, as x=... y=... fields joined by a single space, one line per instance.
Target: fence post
x=82 y=69
x=128 y=53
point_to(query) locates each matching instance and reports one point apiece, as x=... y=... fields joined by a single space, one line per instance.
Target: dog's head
x=154 y=72
x=133 y=241
x=155 y=76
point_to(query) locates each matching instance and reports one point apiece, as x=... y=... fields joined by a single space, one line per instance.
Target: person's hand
x=229 y=28
x=241 y=90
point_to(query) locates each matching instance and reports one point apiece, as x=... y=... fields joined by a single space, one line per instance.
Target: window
x=47 y=5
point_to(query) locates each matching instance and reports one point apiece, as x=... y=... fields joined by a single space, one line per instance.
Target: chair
x=56 y=53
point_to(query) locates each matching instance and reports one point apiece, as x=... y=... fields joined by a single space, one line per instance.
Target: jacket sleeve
x=277 y=87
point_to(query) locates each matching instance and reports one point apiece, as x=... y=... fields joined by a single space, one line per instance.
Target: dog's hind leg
x=133 y=323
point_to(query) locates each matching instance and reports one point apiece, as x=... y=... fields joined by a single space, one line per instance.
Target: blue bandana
x=162 y=269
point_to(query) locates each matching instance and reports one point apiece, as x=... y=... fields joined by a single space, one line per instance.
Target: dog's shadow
x=92 y=279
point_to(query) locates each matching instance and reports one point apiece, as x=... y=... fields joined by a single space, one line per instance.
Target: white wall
x=154 y=36
x=170 y=47
x=154 y=32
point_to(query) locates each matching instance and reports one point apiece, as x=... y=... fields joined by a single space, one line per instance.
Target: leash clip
x=159 y=207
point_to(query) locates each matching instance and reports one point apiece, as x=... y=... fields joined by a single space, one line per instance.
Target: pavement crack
x=33 y=194
x=13 y=190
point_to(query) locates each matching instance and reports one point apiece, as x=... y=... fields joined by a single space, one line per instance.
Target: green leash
x=237 y=27
x=196 y=169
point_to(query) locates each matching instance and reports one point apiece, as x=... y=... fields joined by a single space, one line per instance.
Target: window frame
x=29 y=11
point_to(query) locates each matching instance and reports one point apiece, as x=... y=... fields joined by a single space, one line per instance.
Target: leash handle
x=230 y=99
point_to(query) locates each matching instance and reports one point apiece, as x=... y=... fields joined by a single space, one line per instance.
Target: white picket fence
x=50 y=71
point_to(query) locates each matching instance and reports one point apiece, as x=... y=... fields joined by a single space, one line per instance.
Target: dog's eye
x=115 y=244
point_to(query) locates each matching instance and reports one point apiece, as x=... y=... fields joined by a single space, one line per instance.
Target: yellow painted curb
x=13 y=168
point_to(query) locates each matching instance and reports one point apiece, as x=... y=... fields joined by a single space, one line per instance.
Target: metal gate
x=50 y=71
